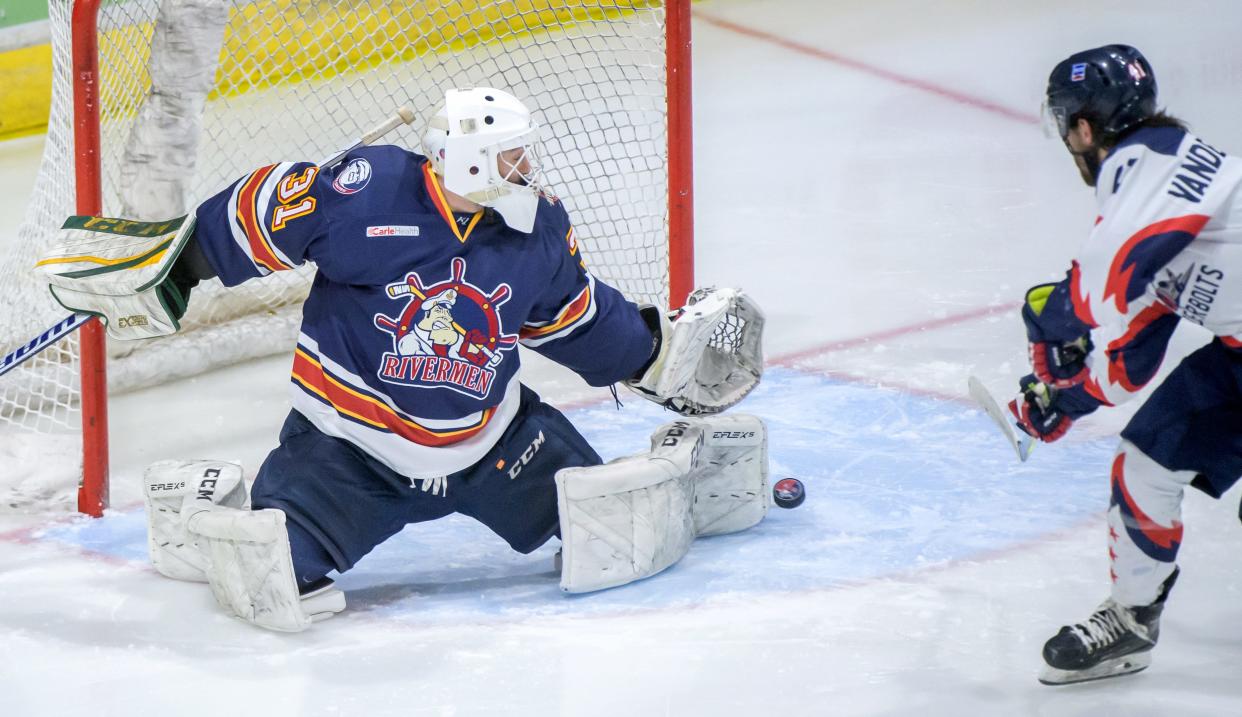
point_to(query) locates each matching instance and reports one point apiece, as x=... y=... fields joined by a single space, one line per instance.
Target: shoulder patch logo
x=448 y=335
x=1170 y=286
x=354 y=177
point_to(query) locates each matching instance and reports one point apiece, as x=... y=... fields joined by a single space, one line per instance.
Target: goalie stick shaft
x=61 y=329
x=69 y=324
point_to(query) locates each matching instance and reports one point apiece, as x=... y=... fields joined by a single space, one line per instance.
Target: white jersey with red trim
x=408 y=344
x=1167 y=245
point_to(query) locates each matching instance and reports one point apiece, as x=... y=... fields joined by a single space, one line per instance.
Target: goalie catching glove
x=121 y=271
x=707 y=357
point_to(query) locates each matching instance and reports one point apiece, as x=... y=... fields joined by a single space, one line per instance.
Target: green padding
x=124 y=227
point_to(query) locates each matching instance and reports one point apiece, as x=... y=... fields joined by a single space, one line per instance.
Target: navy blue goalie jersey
x=408 y=343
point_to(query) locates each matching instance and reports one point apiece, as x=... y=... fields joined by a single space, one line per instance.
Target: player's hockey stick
x=67 y=325
x=1022 y=443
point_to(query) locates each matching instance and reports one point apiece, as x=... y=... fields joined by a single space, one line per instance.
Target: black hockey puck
x=788 y=493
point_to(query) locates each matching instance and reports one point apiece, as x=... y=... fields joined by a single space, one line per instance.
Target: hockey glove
x=708 y=357
x=1058 y=363
x=121 y=270
x=1035 y=411
x=1046 y=413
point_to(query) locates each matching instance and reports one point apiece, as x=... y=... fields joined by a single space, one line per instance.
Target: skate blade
x=1109 y=668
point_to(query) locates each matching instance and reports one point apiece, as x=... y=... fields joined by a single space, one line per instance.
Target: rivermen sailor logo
x=448 y=335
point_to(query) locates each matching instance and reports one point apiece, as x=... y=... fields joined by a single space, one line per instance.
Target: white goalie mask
x=464 y=141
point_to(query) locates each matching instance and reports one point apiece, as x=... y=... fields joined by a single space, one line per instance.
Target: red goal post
x=268 y=80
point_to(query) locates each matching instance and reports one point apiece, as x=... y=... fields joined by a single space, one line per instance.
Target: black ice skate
x=1116 y=640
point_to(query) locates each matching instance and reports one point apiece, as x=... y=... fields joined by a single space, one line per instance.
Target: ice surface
x=872 y=173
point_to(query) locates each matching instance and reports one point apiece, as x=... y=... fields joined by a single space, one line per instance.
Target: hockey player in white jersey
x=1166 y=248
x=407 y=404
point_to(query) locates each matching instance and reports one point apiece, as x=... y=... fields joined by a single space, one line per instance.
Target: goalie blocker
x=132 y=273
x=123 y=271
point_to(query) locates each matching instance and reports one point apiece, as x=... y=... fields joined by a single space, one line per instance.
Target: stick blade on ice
x=1022 y=443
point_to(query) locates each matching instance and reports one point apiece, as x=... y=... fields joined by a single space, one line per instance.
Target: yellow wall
x=25 y=90
x=283 y=40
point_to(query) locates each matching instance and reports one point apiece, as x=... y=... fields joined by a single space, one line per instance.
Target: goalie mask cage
x=157 y=105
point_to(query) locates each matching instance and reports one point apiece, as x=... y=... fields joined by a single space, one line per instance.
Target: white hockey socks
x=1145 y=524
x=174 y=489
x=635 y=516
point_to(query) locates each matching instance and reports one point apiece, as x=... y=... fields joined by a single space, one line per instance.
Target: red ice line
x=793 y=359
x=788 y=360
x=897 y=78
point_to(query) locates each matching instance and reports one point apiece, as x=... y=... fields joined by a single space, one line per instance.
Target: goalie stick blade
x=1022 y=443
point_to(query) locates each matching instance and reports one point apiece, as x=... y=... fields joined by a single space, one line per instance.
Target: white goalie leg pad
x=624 y=520
x=250 y=570
x=711 y=354
x=731 y=473
x=635 y=516
x=174 y=489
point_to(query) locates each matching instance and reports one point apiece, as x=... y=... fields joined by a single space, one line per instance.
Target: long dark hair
x=1160 y=119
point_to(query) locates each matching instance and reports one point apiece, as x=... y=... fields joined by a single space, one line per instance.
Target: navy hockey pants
x=1193 y=421
x=340 y=502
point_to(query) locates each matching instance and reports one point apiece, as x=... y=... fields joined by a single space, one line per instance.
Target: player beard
x=1088 y=164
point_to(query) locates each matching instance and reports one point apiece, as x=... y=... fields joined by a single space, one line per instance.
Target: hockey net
x=194 y=93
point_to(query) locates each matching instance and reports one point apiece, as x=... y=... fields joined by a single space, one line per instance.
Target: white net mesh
x=197 y=92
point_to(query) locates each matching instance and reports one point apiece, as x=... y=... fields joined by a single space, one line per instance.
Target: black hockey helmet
x=1112 y=87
